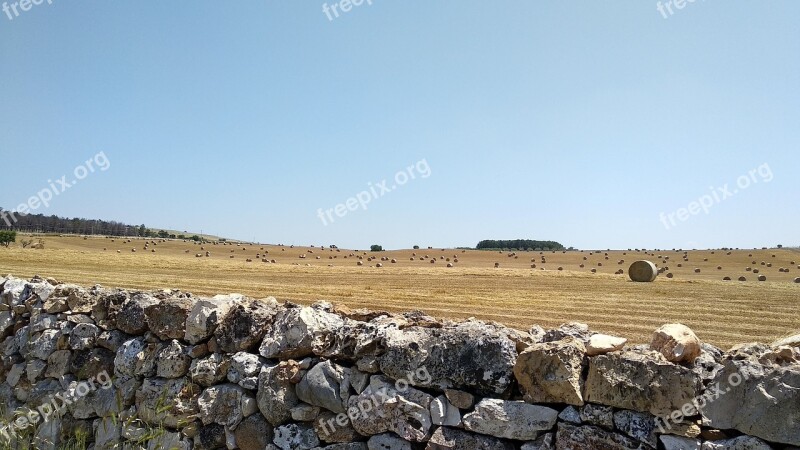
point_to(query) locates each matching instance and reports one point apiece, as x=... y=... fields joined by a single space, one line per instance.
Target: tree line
x=518 y=244
x=39 y=223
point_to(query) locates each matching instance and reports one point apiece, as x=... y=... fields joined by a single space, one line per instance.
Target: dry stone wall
x=165 y=369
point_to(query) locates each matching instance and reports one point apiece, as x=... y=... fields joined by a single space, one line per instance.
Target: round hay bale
x=496 y=265
x=797 y=280
x=533 y=266
x=748 y=269
x=360 y=263
x=719 y=267
x=643 y=271
x=726 y=279
x=560 y=268
x=762 y=278
x=455 y=260
x=680 y=265
x=582 y=266
x=449 y=264
x=742 y=279
x=594 y=270
x=394 y=261
x=697 y=270
x=756 y=270
x=379 y=265
x=670 y=275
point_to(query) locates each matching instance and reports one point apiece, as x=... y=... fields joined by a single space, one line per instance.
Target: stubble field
x=723 y=313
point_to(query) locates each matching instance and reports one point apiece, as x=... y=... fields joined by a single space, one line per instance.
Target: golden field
x=722 y=313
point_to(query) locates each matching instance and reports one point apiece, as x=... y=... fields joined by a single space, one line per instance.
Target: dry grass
x=723 y=313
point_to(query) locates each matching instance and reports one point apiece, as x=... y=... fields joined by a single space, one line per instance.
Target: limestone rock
x=332 y=428
x=597 y=415
x=590 y=437
x=167 y=318
x=676 y=342
x=172 y=402
x=326 y=385
x=206 y=314
x=210 y=370
x=225 y=404
x=83 y=336
x=550 y=372
x=254 y=433
x=671 y=442
x=451 y=357
x=385 y=406
x=769 y=394
x=135 y=358
x=295 y=437
x=739 y=443
x=245 y=325
x=641 y=382
x=510 y=419
x=388 y=441
x=445 y=438
x=172 y=360
x=131 y=318
x=638 y=425
x=443 y=413
x=276 y=393
x=295 y=330
x=600 y=344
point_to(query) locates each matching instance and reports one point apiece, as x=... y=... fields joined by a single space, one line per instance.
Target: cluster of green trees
x=518 y=244
x=7 y=237
x=375 y=248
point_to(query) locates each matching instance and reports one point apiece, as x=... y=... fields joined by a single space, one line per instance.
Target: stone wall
x=167 y=369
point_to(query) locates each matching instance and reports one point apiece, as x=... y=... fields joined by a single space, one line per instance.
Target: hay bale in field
x=726 y=278
x=449 y=264
x=582 y=266
x=762 y=278
x=719 y=267
x=643 y=271
x=756 y=270
x=533 y=266
x=697 y=270
x=433 y=260
x=360 y=263
x=560 y=268
x=797 y=280
x=496 y=265
x=594 y=270
x=742 y=279
x=394 y=261
x=379 y=265
x=455 y=260
x=670 y=275
x=119 y=251
x=769 y=264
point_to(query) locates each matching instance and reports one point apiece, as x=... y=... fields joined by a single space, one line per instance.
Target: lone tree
x=7 y=237
x=375 y=248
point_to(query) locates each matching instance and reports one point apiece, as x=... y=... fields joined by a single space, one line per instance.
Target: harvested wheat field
x=721 y=312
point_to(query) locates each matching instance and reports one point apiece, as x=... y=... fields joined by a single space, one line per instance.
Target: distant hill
x=40 y=223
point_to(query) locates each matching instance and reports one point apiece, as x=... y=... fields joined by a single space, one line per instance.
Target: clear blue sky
x=573 y=121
